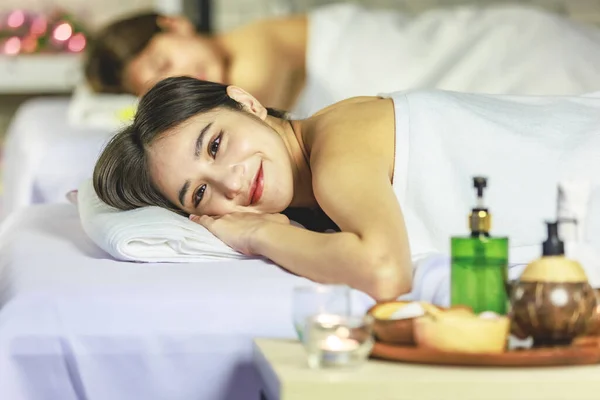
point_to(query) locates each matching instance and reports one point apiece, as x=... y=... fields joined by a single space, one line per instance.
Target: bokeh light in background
x=24 y=32
x=29 y=44
x=77 y=42
x=62 y=32
x=39 y=25
x=12 y=46
x=15 y=19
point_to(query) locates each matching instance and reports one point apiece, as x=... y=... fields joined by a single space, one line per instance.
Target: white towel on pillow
x=149 y=234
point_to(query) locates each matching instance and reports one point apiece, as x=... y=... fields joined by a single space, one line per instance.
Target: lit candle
x=338 y=350
x=328 y=320
x=335 y=343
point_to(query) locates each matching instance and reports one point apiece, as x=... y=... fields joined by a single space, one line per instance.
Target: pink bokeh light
x=12 y=46
x=39 y=26
x=77 y=43
x=62 y=32
x=16 y=19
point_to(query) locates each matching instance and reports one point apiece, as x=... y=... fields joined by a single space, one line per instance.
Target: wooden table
x=285 y=376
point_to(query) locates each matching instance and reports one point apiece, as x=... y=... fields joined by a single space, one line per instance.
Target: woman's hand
x=236 y=229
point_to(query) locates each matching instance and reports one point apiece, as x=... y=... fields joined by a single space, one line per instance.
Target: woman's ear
x=248 y=101
x=176 y=24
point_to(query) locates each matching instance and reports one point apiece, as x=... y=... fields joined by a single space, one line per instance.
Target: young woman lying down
x=305 y=62
x=393 y=173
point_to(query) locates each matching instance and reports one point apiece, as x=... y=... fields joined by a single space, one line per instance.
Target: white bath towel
x=356 y=51
x=524 y=145
x=149 y=234
x=100 y=110
x=431 y=280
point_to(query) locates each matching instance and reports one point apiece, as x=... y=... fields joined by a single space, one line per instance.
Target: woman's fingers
x=203 y=220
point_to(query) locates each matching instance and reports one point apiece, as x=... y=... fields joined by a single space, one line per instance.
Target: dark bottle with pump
x=552 y=301
x=479 y=262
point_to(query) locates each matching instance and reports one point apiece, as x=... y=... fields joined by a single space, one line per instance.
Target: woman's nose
x=233 y=181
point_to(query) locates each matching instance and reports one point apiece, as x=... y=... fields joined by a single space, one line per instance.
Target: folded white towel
x=149 y=234
x=431 y=280
x=100 y=110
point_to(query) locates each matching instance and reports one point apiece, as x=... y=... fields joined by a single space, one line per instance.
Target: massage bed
x=76 y=324
x=45 y=156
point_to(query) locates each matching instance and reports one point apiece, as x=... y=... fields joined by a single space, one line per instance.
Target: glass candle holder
x=311 y=300
x=338 y=341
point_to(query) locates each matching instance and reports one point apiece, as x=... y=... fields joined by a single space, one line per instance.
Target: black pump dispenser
x=480 y=183
x=480 y=219
x=553 y=246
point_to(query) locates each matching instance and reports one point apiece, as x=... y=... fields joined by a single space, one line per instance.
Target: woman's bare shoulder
x=285 y=35
x=344 y=104
x=351 y=124
x=352 y=113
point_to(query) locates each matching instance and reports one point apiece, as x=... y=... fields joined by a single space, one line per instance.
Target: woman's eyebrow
x=200 y=140
x=183 y=191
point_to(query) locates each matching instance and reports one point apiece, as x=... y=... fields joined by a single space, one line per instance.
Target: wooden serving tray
x=584 y=351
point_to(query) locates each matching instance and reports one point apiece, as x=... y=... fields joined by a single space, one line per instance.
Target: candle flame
x=333 y=343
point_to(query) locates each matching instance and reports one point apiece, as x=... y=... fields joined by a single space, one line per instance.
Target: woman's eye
x=213 y=148
x=198 y=195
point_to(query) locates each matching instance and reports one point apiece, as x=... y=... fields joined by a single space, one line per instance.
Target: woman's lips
x=258 y=185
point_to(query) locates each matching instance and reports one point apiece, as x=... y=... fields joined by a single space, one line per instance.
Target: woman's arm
x=352 y=158
x=377 y=265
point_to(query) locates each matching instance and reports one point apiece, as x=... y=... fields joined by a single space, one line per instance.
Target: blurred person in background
x=303 y=63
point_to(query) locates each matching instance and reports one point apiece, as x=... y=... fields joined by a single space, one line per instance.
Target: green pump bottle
x=479 y=262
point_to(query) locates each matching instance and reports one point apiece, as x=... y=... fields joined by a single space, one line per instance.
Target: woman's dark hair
x=121 y=175
x=109 y=52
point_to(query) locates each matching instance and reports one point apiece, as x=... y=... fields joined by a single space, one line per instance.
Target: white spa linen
x=44 y=156
x=431 y=280
x=90 y=110
x=524 y=145
x=355 y=51
x=149 y=234
x=76 y=324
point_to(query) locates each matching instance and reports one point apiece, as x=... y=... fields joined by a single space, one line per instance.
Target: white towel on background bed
x=149 y=234
x=356 y=51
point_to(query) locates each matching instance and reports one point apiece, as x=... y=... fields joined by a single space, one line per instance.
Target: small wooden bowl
x=400 y=331
x=393 y=331
x=461 y=331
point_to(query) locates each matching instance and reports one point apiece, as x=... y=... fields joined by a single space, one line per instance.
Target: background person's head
x=197 y=147
x=133 y=54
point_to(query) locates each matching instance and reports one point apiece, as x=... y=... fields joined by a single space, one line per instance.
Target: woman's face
x=221 y=162
x=174 y=54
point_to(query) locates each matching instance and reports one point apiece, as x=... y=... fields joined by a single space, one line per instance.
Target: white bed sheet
x=76 y=324
x=44 y=156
